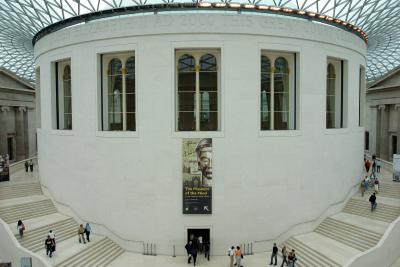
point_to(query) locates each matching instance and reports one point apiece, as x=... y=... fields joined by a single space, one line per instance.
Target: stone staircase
x=26 y=202
x=354 y=234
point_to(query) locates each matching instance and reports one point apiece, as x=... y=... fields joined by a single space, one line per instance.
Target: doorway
x=198 y=236
x=394 y=145
x=10 y=147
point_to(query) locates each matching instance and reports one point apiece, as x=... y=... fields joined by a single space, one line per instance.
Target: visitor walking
x=284 y=255
x=207 y=250
x=366 y=184
x=292 y=258
x=81 y=231
x=376 y=185
x=26 y=166
x=53 y=238
x=238 y=256
x=31 y=165
x=274 y=254
x=189 y=247
x=194 y=255
x=362 y=187
x=231 y=254
x=372 y=199
x=88 y=230
x=49 y=245
x=21 y=228
x=200 y=242
x=378 y=165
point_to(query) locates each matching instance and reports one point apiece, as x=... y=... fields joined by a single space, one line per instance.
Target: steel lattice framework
x=20 y=20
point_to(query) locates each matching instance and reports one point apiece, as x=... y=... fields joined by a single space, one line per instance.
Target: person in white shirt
x=52 y=236
x=231 y=254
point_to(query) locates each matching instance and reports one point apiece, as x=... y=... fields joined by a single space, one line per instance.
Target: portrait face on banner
x=197 y=176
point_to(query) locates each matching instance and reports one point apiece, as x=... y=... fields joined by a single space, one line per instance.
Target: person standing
x=378 y=165
x=366 y=184
x=376 y=185
x=26 y=166
x=189 y=247
x=21 y=228
x=49 y=246
x=274 y=254
x=194 y=255
x=81 y=231
x=88 y=230
x=238 y=256
x=367 y=165
x=200 y=243
x=284 y=255
x=291 y=258
x=372 y=199
x=31 y=165
x=231 y=254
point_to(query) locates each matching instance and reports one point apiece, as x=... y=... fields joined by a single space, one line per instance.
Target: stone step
x=383 y=212
x=308 y=256
x=34 y=240
x=27 y=211
x=19 y=190
x=350 y=235
x=103 y=252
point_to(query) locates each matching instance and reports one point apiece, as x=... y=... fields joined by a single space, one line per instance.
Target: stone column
x=3 y=129
x=397 y=108
x=373 y=134
x=20 y=133
x=384 y=136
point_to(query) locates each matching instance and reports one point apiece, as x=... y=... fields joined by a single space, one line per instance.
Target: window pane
x=186 y=121
x=265 y=121
x=208 y=101
x=330 y=96
x=130 y=121
x=130 y=75
x=330 y=120
x=115 y=67
x=209 y=121
x=67 y=121
x=208 y=63
x=187 y=81
x=67 y=105
x=281 y=75
x=281 y=102
x=130 y=103
x=281 y=121
x=115 y=121
x=186 y=101
x=208 y=81
x=186 y=63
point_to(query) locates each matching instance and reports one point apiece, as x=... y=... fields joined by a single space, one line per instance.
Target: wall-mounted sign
x=197 y=176
x=4 y=168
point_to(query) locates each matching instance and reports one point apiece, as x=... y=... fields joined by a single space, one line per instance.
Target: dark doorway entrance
x=394 y=145
x=193 y=235
x=10 y=148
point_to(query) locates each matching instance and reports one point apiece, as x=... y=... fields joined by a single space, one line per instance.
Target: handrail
x=348 y=196
x=91 y=222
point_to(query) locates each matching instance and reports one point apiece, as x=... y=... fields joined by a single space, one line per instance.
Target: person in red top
x=367 y=165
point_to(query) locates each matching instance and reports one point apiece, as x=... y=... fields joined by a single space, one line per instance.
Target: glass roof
x=20 y=20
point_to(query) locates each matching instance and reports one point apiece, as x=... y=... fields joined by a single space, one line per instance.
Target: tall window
x=63 y=95
x=334 y=94
x=278 y=92
x=118 y=92
x=361 y=96
x=197 y=100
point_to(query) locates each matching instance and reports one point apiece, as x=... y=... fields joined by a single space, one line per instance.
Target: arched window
x=278 y=92
x=186 y=98
x=115 y=94
x=197 y=91
x=67 y=98
x=208 y=79
x=265 y=93
x=62 y=96
x=281 y=94
x=330 y=96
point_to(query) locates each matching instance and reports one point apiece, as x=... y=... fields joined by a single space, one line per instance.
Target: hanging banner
x=4 y=168
x=197 y=176
x=396 y=167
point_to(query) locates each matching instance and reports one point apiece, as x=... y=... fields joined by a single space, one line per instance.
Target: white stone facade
x=383 y=116
x=17 y=117
x=265 y=182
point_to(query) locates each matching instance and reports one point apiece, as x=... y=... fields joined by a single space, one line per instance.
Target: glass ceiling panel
x=20 y=20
